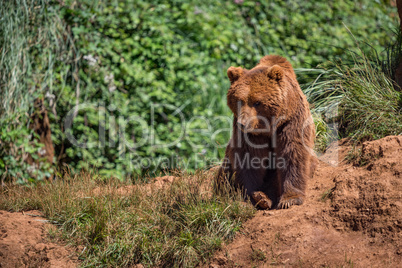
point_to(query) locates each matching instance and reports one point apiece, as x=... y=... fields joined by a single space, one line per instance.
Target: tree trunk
x=41 y=125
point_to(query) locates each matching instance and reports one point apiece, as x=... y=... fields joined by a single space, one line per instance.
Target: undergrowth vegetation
x=34 y=52
x=178 y=225
x=150 y=77
x=361 y=96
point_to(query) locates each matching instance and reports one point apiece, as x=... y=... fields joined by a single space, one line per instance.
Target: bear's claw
x=288 y=202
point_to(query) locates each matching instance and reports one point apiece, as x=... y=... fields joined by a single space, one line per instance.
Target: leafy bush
x=148 y=73
x=149 y=59
x=309 y=33
x=15 y=147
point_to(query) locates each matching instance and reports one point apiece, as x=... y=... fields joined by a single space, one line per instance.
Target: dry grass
x=181 y=225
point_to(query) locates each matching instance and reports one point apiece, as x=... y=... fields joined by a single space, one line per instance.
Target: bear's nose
x=240 y=125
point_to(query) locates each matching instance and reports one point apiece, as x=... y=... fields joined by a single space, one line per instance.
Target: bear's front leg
x=252 y=181
x=292 y=176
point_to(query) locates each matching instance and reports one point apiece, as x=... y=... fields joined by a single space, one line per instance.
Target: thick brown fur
x=270 y=152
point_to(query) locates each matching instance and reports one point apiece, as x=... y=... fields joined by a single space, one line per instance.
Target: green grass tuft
x=321 y=133
x=361 y=97
x=181 y=225
x=326 y=195
x=258 y=255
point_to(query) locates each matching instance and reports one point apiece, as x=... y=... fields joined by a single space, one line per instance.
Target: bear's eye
x=256 y=104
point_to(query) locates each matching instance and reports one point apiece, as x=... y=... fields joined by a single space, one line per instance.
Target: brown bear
x=270 y=154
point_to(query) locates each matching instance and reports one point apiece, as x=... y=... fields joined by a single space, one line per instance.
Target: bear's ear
x=275 y=72
x=234 y=73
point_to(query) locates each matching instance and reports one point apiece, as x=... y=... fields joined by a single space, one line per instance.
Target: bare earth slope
x=24 y=242
x=352 y=217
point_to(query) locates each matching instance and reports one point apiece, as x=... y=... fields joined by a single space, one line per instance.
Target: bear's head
x=259 y=98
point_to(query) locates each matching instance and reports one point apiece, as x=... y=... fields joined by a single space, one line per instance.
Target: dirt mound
x=369 y=199
x=352 y=216
x=24 y=242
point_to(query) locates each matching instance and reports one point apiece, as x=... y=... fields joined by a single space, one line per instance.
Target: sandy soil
x=25 y=242
x=352 y=217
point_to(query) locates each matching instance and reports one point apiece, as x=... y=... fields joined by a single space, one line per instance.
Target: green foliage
x=150 y=59
x=15 y=147
x=180 y=225
x=321 y=132
x=309 y=33
x=152 y=73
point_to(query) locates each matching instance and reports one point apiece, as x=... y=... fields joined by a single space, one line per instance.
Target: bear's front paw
x=287 y=202
x=261 y=200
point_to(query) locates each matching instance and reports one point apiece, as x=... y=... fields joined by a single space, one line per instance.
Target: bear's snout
x=247 y=124
x=240 y=125
x=242 y=122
